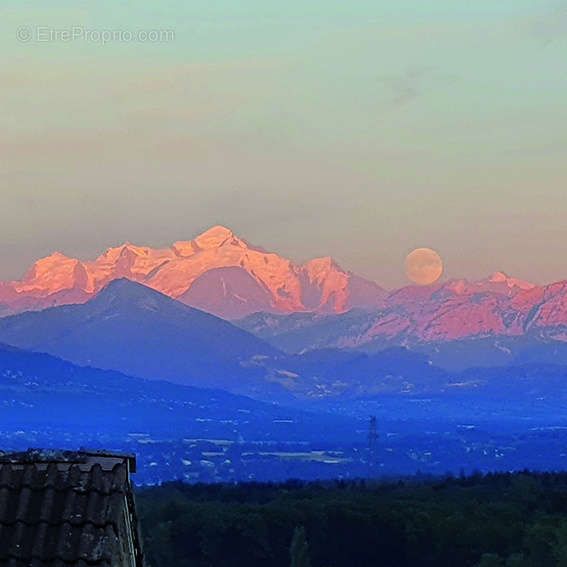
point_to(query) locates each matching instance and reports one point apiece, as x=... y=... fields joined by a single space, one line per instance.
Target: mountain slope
x=223 y=274
x=141 y=332
x=442 y=316
x=128 y=326
x=217 y=271
x=73 y=404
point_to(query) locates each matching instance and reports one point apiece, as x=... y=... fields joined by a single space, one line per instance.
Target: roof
x=67 y=509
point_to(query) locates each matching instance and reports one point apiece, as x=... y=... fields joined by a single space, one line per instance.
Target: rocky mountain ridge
x=217 y=272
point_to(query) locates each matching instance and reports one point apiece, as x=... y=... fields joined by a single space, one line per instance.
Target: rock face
x=223 y=274
x=442 y=313
x=217 y=271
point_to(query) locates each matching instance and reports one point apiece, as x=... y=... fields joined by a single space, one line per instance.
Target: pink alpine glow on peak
x=185 y=248
x=319 y=268
x=216 y=237
x=501 y=277
x=221 y=273
x=327 y=284
x=242 y=279
x=52 y=274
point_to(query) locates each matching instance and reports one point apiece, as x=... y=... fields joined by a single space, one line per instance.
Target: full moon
x=424 y=266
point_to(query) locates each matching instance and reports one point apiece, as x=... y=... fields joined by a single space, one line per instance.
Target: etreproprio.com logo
x=46 y=34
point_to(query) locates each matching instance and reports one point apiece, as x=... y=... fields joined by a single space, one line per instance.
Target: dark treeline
x=496 y=520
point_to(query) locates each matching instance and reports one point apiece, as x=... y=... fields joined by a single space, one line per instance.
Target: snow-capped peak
x=215 y=237
x=501 y=277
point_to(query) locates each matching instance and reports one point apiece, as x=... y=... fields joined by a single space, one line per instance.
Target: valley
x=128 y=364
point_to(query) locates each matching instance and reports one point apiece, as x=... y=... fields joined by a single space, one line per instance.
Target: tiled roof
x=65 y=509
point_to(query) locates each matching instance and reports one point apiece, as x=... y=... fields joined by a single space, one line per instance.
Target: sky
x=360 y=129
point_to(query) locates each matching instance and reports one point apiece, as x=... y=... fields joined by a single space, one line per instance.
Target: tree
x=516 y=560
x=489 y=560
x=560 y=551
x=299 y=549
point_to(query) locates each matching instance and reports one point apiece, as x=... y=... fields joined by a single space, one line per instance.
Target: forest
x=493 y=520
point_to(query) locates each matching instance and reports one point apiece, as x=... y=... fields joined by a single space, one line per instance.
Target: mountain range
x=132 y=329
x=141 y=332
x=42 y=394
x=297 y=307
x=217 y=272
x=473 y=323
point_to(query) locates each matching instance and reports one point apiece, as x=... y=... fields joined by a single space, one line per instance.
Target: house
x=67 y=509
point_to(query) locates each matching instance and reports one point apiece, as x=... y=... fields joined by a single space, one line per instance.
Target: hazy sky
x=357 y=129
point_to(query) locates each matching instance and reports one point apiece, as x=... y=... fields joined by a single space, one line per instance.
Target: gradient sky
x=359 y=129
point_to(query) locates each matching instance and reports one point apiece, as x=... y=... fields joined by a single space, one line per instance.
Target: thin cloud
x=409 y=85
